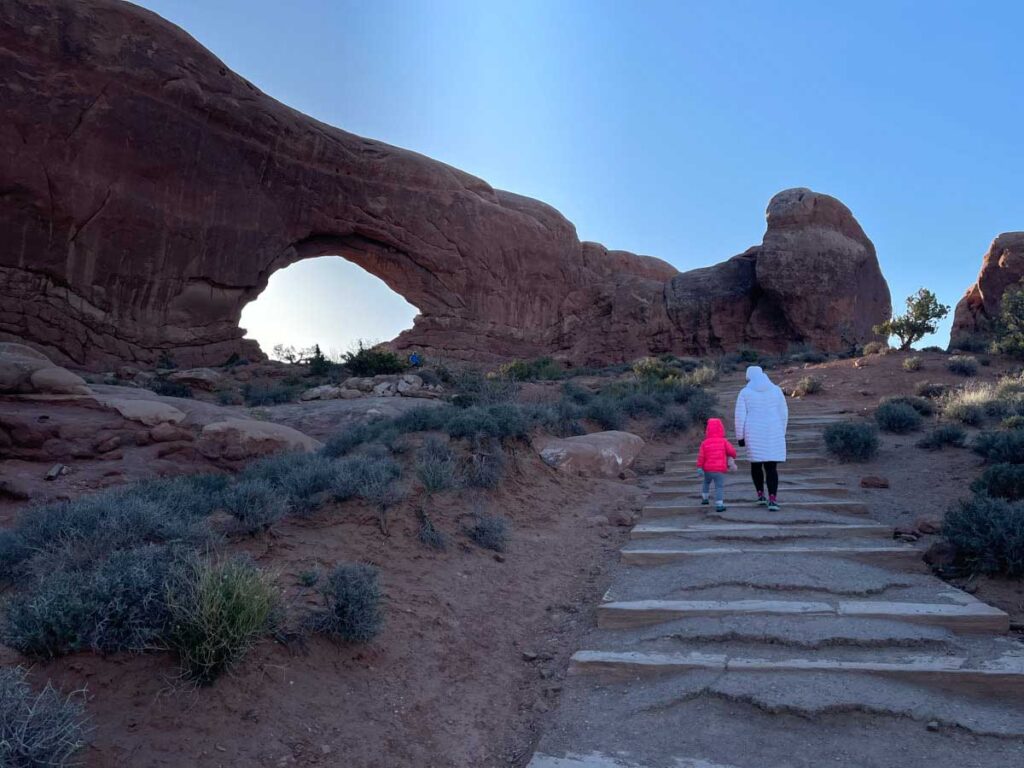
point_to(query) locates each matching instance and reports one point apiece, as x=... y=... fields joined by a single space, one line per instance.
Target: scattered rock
x=622 y=518
x=941 y=554
x=198 y=378
x=168 y=433
x=602 y=454
x=933 y=725
x=325 y=392
x=56 y=471
x=148 y=412
x=927 y=525
x=872 y=481
x=107 y=444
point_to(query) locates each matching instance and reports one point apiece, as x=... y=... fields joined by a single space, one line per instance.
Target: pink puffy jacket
x=715 y=451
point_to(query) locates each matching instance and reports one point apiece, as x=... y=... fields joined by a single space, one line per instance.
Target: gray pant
x=718 y=478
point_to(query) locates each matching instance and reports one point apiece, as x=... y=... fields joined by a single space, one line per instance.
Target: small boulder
x=872 y=481
x=927 y=525
x=239 y=439
x=384 y=389
x=601 y=454
x=148 y=412
x=169 y=433
x=941 y=554
x=198 y=378
x=325 y=392
x=26 y=371
x=348 y=394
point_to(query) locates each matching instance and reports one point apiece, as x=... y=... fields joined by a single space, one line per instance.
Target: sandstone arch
x=147 y=193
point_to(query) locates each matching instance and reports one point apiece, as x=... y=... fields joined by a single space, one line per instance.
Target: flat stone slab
x=597 y=760
x=1005 y=674
x=670 y=509
x=894 y=555
x=756 y=531
x=976 y=617
x=801 y=494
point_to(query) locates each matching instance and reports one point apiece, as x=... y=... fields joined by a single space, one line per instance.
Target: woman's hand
x=742 y=443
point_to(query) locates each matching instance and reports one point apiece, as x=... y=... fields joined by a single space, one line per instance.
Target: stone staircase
x=798 y=639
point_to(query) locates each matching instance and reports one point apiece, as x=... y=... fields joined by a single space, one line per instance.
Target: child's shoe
x=773 y=505
x=719 y=506
x=704 y=501
x=761 y=500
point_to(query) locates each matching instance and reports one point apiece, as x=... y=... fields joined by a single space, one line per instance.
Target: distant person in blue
x=415 y=360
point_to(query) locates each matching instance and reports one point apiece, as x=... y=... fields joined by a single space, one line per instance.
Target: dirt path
x=796 y=639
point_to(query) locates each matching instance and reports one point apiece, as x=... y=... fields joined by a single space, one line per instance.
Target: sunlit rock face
x=149 y=193
x=1001 y=268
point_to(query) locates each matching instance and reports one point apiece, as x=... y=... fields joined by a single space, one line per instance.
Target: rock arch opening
x=326 y=300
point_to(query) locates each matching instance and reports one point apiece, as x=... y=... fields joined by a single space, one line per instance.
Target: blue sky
x=657 y=127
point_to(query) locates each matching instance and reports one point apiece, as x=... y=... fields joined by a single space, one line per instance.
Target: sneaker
x=773 y=506
x=719 y=507
x=762 y=501
x=704 y=502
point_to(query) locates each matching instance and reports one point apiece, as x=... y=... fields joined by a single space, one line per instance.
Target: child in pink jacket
x=713 y=461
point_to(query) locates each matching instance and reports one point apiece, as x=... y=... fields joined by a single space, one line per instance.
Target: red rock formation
x=1002 y=267
x=147 y=193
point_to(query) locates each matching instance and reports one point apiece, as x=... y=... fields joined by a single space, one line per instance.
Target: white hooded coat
x=762 y=416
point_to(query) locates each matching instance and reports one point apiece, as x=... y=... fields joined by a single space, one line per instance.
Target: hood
x=758 y=379
x=715 y=428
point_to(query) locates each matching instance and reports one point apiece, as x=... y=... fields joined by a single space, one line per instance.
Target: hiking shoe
x=704 y=502
x=719 y=507
x=773 y=506
x=762 y=501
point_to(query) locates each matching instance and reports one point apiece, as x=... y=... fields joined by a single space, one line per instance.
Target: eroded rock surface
x=600 y=454
x=150 y=192
x=1002 y=267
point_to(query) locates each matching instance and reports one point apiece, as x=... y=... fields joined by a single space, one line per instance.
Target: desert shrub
x=574 y=393
x=368 y=477
x=1000 y=447
x=118 y=606
x=256 y=504
x=930 y=389
x=218 y=612
x=309 y=578
x=342 y=443
x=1009 y=329
x=704 y=376
x=988 y=535
x=963 y=365
x=353 y=612
x=640 y=404
x=605 y=412
x=912 y=363
x=1013 y=422
x=500 y=421
x=920 y=404
x=429 y=535
x=921 y=318
x=39 y=730
x=77 y=534
x=674 y=421
x=538 y=369
x=260 y=393
x=702 y=406
x=654 y=368
x=489 y=531
x=748 y=355
x=303 y=479
x=943 y=435
x=229 y=397
x=876 y=348
x=423 y=418
x=562 y=418
x=485 y=465
x=436 y=465
x=318 y=363
x=808 y=385
x=372 y=361
x=1004 y=481
x=897 y=417
x=473 y=388
x=167 y=388
x=852 y=440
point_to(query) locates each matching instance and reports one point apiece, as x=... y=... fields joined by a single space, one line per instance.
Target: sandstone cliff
x=1002 y=267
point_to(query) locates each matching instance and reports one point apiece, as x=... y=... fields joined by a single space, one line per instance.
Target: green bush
x=260 y=393
x=218 y=612
x=436 y=465
x=1010 y=326
x=654 y=368
x=489 y=531
x=605 y=412
x=912 y=363
x=373 y=361
x=369 y=477
x=897 y=417
x=576 y=394
x=1013 y=422
x=302 y=479
x=702 y=377
x=1004 y=481
x=674 y=421
x=963 y=365
x=921 y=318
x=876 y=348
x=502 y=421
x=852 y=440
x=538 y=369
x=473 y=388
x=318 y=363
x=255 y=504
x=929 y=389
x=353 y=612
x=343 y=443
x=118 y=606
x=988 y=535
x=920 y=404
x=808 y=385
x=702 y=406
x=39 y=730
x=429 y=535
x=1001 y=447
x=941 y=436
x=639 y=405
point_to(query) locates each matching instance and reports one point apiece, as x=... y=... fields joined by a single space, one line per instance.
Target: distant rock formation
x=1002 y=267
x=148 y=193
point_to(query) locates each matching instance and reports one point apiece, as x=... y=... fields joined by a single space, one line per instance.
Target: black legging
x=759 y=471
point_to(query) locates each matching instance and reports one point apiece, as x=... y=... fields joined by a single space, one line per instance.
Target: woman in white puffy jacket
x=761 y=420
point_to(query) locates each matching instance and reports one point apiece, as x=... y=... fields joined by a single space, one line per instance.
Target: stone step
x=789 y=480
x=652 y=511
x=1004 y=674
x=597 y=760
x=799 y=461
x=805 y=493
x=894 y=555
x=756 y=531
x=973 y=617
